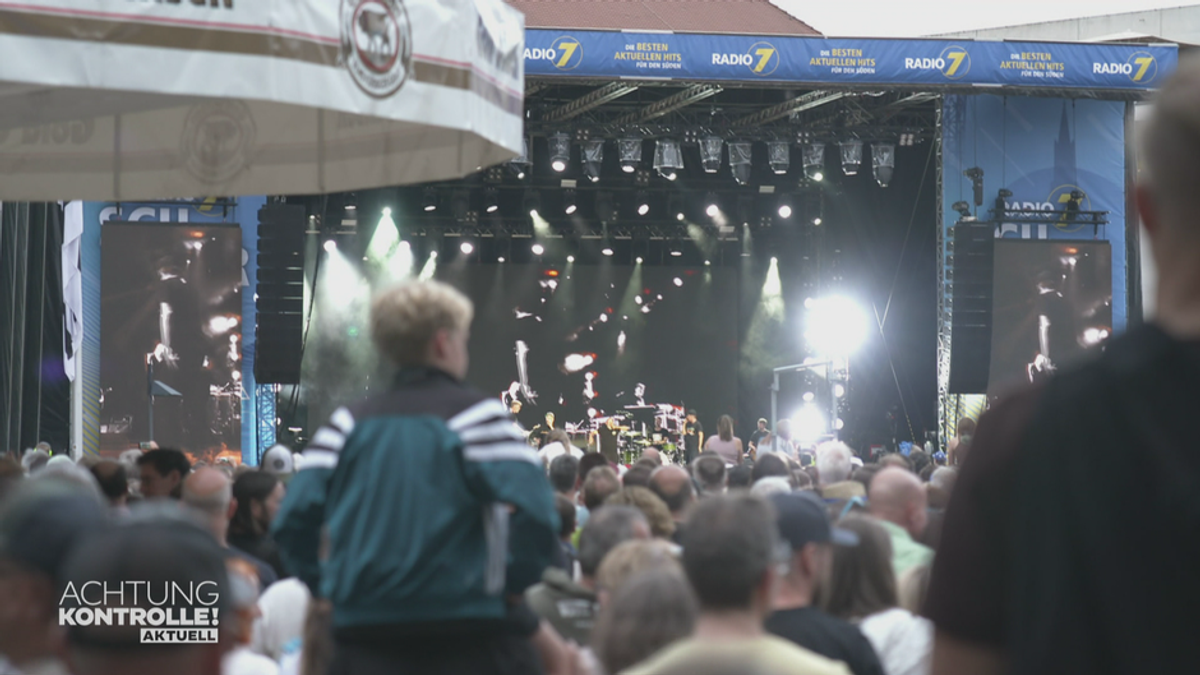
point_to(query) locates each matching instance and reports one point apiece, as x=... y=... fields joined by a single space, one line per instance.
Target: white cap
x=278 y=461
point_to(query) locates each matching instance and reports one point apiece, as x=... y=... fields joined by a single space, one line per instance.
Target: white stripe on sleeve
x=342 y=420
x=480 y=412
x=328 y=438
x=502 y=452
x=314 y=458
x=496 y=431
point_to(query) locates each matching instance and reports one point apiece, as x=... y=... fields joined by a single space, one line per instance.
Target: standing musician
x=606 y=438
x=538 y=434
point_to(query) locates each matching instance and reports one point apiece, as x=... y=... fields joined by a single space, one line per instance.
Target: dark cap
x=692 y=412
x=159 y=547
x=802 y=519
x=44 y=518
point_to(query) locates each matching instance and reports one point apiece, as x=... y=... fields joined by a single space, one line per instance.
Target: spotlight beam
x=670 y=104
x=589 y=101
x=813 y=99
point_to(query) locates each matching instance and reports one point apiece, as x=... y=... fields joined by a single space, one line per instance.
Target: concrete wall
x=1179 y=24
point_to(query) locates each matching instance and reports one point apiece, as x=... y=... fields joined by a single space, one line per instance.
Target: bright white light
x=533 y=213
x=430 y=207
x=839 y=391
x=627 y=168
x=571 y=208
x=676 y=254
x=492 y=208
x=836 y=326
x=577 y=362
x=330 y=246
x=679 y=216
x=712 y=210
x=639 y=261
x=817 y=220
x=818 y=176
x=670 y=175
x=774 y=260
x=808 y=396
x=500 y=259
x=433 y=254
x=1094 y=336
x=637 y=300
x=387 y=210
x=467 y=248
x=558 y=165
x=808 y=424
x=678 y=281
x=785 y=211
x=607 y=251
x=838 y=424
x=570 y=258
x=520 y=175
x=643 y=209
x=236 y=375
x=400 y=264
x=707 y=263
x=351 y=207
x=603 y=318
x=221 y=324
x=537 y=249
x=809 y=303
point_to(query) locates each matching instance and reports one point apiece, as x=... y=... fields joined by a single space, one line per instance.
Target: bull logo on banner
x=376 y=45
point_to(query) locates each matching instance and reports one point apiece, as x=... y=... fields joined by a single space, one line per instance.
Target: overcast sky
x=896 y=18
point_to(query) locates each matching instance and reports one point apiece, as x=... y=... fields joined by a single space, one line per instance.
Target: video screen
x=1052 y=305
x=170 y=324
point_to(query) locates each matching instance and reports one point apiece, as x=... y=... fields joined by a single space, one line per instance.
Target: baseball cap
x=44 y=518
x=159 y=546
x=692 y=411
x=801 y=519
x=278 y=461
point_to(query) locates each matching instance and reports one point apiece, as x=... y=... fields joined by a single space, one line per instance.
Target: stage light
x=779 y=156
x=883 y=162
x=976 y=175
x=429 y=200
x=838 y=391
x=430 y=267
x=668 y=157
x=711 y=206
x=351 y=207
x=680 y=216
x=560 y=151
x=467 y=248
x=500 y=259
x=491 y=200
x=639 y=261
x=675 y=253
x=678 y=282
x=569 y=204
x=808 y=424
x=387 y=211
x=532 y=203
x=591 y=154
x=433 y=255
x=537 y=249
x=710 y=153
x=963 y=208
x=809 y=396
x=817 y=220
x=517 y=164
x=643 y=203
x=570 y=258
x=785 y=211
x=707 y=263
x=814 y=161
x=330 y=246
x=630 y=150
x=384 y=240
x=851 y=156
x=774 y=260
x=739 y=161
x=607 y=251
x=838 y=424
x=836 y=326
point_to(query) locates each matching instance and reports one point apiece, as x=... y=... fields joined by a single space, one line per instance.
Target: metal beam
x=807 y=101
x=594 y=99
x=670 y=104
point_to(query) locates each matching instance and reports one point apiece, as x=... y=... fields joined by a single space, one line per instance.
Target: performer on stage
x=606 y=438
x=539 y=432
x=514 y=408
x=693 y=437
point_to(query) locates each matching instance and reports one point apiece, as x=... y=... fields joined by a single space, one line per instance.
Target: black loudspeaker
x=971 y=323
x=280 y=302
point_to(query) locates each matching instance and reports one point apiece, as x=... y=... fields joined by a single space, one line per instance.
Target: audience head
x=709 y=470
x=966 y=427
x=764 y=487
x=770 y=465
x=656 y=512
x=40 y=523
x=209 y=493
x=897 y=461
x=803 y=524
x=762 y=424
x=423 y=323
x=801 y=480
x=691 y=415
x=10 y=477
x=631 y=558
x=919 y=459
x=730 y=552
x=112 y=480
x=605 y=529
x=638 y=476
x=161 y=473
x=559 y=436
x=653 y=455
x=865 y=474
x=648 y=463
x=160 y=545
x=740 y=476
x=649 y=612
x=564 y=473
x=673 y=485
x=600 y=484
x=725 y=428
x=549 y=419
x=566 y=516
x=783 y=429
x=833 y=462
x=943 y=478
x=861 y=581
x=897 y=496
x=35 y=460
x=258 y=496
x=588 y=462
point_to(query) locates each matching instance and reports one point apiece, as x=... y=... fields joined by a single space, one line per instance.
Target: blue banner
x=1041 y=150
x=820 y=61
x=245 y=213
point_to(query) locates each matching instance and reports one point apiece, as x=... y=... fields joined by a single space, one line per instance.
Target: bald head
x=210 y=493
x=674 y=486
x=1172 y=153
x=654 y=454
x=897 y=496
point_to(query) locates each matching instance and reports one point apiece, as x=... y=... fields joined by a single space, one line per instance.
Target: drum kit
x=637 y=428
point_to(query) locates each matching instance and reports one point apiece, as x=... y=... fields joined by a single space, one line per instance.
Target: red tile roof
x=747 y=17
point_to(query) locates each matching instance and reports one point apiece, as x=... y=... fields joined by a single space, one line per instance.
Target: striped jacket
x=434 y=506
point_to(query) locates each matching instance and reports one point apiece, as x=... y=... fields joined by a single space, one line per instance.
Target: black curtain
x=35 y=395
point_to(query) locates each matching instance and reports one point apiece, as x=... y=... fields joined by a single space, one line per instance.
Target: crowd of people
x=419 y=533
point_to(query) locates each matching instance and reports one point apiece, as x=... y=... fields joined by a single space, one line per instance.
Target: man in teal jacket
x=433 y=512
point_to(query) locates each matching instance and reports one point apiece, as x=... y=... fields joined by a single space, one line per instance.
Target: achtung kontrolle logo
x=164 y=612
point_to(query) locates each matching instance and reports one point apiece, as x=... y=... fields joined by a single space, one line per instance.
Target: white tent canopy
x=154 y=99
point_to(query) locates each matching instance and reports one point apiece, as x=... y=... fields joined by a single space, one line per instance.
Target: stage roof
x=729 y=17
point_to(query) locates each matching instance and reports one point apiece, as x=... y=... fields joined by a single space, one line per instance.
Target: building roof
x=747 y=17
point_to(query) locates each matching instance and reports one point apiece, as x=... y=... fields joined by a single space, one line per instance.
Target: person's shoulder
x=785 y=656
x=242 y=661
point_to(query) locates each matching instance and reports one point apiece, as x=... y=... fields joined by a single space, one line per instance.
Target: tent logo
x=568 y=53
x=376 y=44
x=955 y=62
x=218 y=140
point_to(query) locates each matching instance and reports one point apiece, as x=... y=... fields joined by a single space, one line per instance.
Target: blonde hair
x=404 y=318
x=634 y=557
